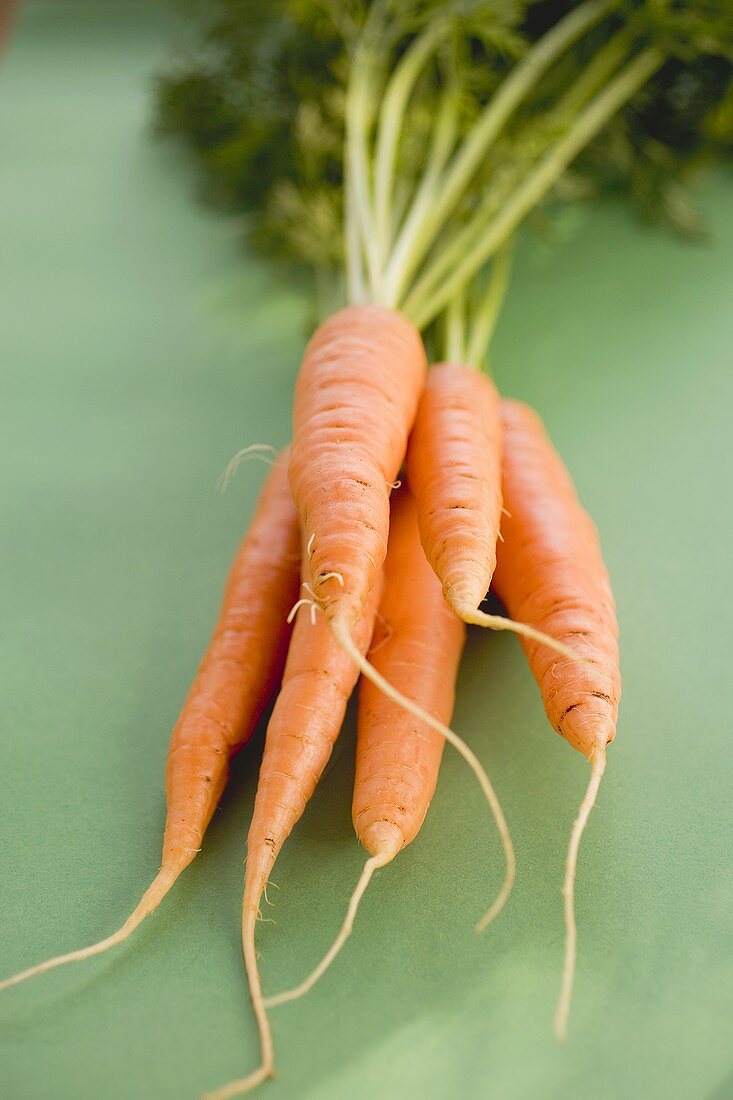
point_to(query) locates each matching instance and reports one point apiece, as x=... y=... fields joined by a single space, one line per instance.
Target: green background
x=140 y=349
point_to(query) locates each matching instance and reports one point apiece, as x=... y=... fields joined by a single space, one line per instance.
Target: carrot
x=454 y=470
x=355 y=401
x=550 y=572
x=418 y=645
x=317 y=683
x=454 y=458
x=454 y=467
x=235 y=681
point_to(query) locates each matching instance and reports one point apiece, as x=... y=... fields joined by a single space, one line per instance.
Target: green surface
x=139 y=351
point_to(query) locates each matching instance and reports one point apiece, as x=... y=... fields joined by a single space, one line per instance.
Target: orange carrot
x=418 y=644
x=235 y=682
x=550 y=573
x=454 y=468
x=355 y=401
x=317 y=683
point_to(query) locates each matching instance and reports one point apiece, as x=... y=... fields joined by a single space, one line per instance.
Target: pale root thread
x=310 y=600
x=242 y=1085
x=255 y=450
x=332 y=576
x=598 y=766
x=150 y=900
x=499 y=622
x=371 y=865
x=266 y=1068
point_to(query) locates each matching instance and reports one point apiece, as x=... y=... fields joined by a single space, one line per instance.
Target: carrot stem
x=391 y=117
x=455 y=329
x=416 y=237
x=423 y=307
x=486 y=316
x=359 y=119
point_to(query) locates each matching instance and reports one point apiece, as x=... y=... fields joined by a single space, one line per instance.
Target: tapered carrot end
x=597 y=760
x=266 y=1068
x=150 y=900
x=589 y=725
x=382 y=838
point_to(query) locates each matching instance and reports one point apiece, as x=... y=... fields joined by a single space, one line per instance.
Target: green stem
x=355 y=283
x=359 y=116
x=455 y=248
x=441 y=147
x=594 y=76
x=415 y=240
x=487 y=314
x=537 y=183
x=455 y=329
x=606 y=61
x=391 y=117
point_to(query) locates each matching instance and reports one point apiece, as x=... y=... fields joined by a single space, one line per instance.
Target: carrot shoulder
x=355 y=401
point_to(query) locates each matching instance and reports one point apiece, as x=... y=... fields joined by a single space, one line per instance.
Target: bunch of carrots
x=409 y=490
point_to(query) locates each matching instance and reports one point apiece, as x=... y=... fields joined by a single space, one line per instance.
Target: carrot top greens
x=395 y=145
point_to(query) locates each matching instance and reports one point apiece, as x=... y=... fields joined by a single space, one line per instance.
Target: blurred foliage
x=257 y=93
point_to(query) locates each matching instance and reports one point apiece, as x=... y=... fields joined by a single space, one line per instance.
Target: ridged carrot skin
x=355 y=401
x=241 y=668
x=550 y=573
x=307 y=718
x=454 y=471
x=417 y=647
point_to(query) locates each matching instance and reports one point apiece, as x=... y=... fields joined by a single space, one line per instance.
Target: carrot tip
x=597 y=761
x=150 y=900
x=383 y=840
